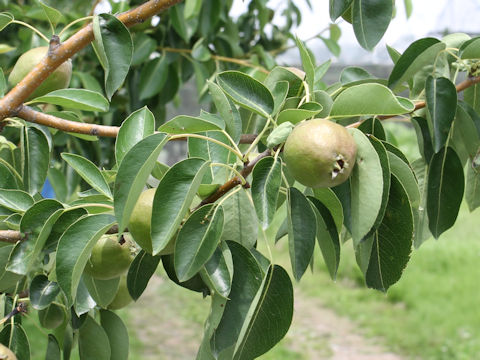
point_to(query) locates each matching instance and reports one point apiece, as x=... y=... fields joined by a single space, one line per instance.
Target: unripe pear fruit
x=109 y=258
x=51 y=317
x=140 y=223
x=59 y=79
x=320 y=153
x=6 y=353
x=122 y=297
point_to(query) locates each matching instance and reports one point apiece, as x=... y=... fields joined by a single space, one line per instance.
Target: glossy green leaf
x=424 y=137
x=370 y=21
x=269 y=316
x=227 y=111
x=101 y=291
x=327 y=236
x=66 y=219
x=367 y=187
x=114 y=47
x=405 y=175
x=53 y=348
x=306 y=111
x=143 y=46
x=80 y=99
x=279 y=93
x=35 y=159
x=307 y=64
x=466 y=126
x=197 y=240
x=137 y=126
x=279 y=73
x=247 y=280
x=42 y=292
x=88 y=172
x=183 y=124
x=266 y=181
x=472 y=186
x=194 y=284
x=470 y=49
x=36 y=223
x=419 y=54
x=217 y=307
x=369 y=99
x=5 y=19
x=74 y=248
x=247 y=92
x=338 y=7
x=219 y=271
x=132 y=175
x=15 y=200
x=93 y=342
x=153 y=77
x=172 y=199
x=53 y=15
x=374 y=127
x=141 y=270
x=8 y=280
x=192 y=8
x=7 y=177
x=117 y=334
x=70 y=115
x=441 y=97
x=328 y=198
x=201 y=52
x=302 y=228
x=445 y=190
x=241 y=223
x=392 y=241
x=16 y=340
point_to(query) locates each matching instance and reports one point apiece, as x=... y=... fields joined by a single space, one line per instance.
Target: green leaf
x=405 y=175
x=266 y=181
x=279 y=73
x=183 y=124
x=89 y=172
x=370 y=21
x=192 y=8
x=80 y=99
x=7 y=177
x=88 y=81
x=172 y=199
x=66 y=219
x=42 y=292
x=279 y=93
x=247 y=92
x=367 y=187
x=35 y=159
x=153 y=77
x=219 y=271
x=419 y=54
x=15 y=200
x=132 y=175
x=141 y=270
x=445 y=190
x=466 y=126
x=143 y=46
x=83 y=301
x=53 y=15
x=114 y=47
x=53 y=348
x=241 y=223
x=117 y=334
x=200 y=52
x=74 y=248
x=197 y=240
x=470 y=49
x=307 y=63
x=3 y=83
x=354 y=73
x=472 y=186
x=441 y=97
x=269 y=316
x=227 y=111
x=392 y=241
x=36 y=223
x=369 y=99
x=70 y=115
x=302 y=227
x=101 y=291
x=328 y=198
x=136 y=127
x=306 y=111
x=338 y=7
x=374 y=127
x=332 y=45
x=93 y=342
x=420 y=216
x=16 y=340
x=247 y=280
x=327 y=236
x=423 y=137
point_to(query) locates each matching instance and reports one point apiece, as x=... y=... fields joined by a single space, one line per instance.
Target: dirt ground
x=317 y=332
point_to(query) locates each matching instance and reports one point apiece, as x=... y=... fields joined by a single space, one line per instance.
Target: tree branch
x=10 y=236
x=15 y=97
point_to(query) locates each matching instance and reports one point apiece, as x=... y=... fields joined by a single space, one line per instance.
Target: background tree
x=212 y=218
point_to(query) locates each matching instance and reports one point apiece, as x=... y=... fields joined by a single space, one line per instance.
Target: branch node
x=54 y=44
